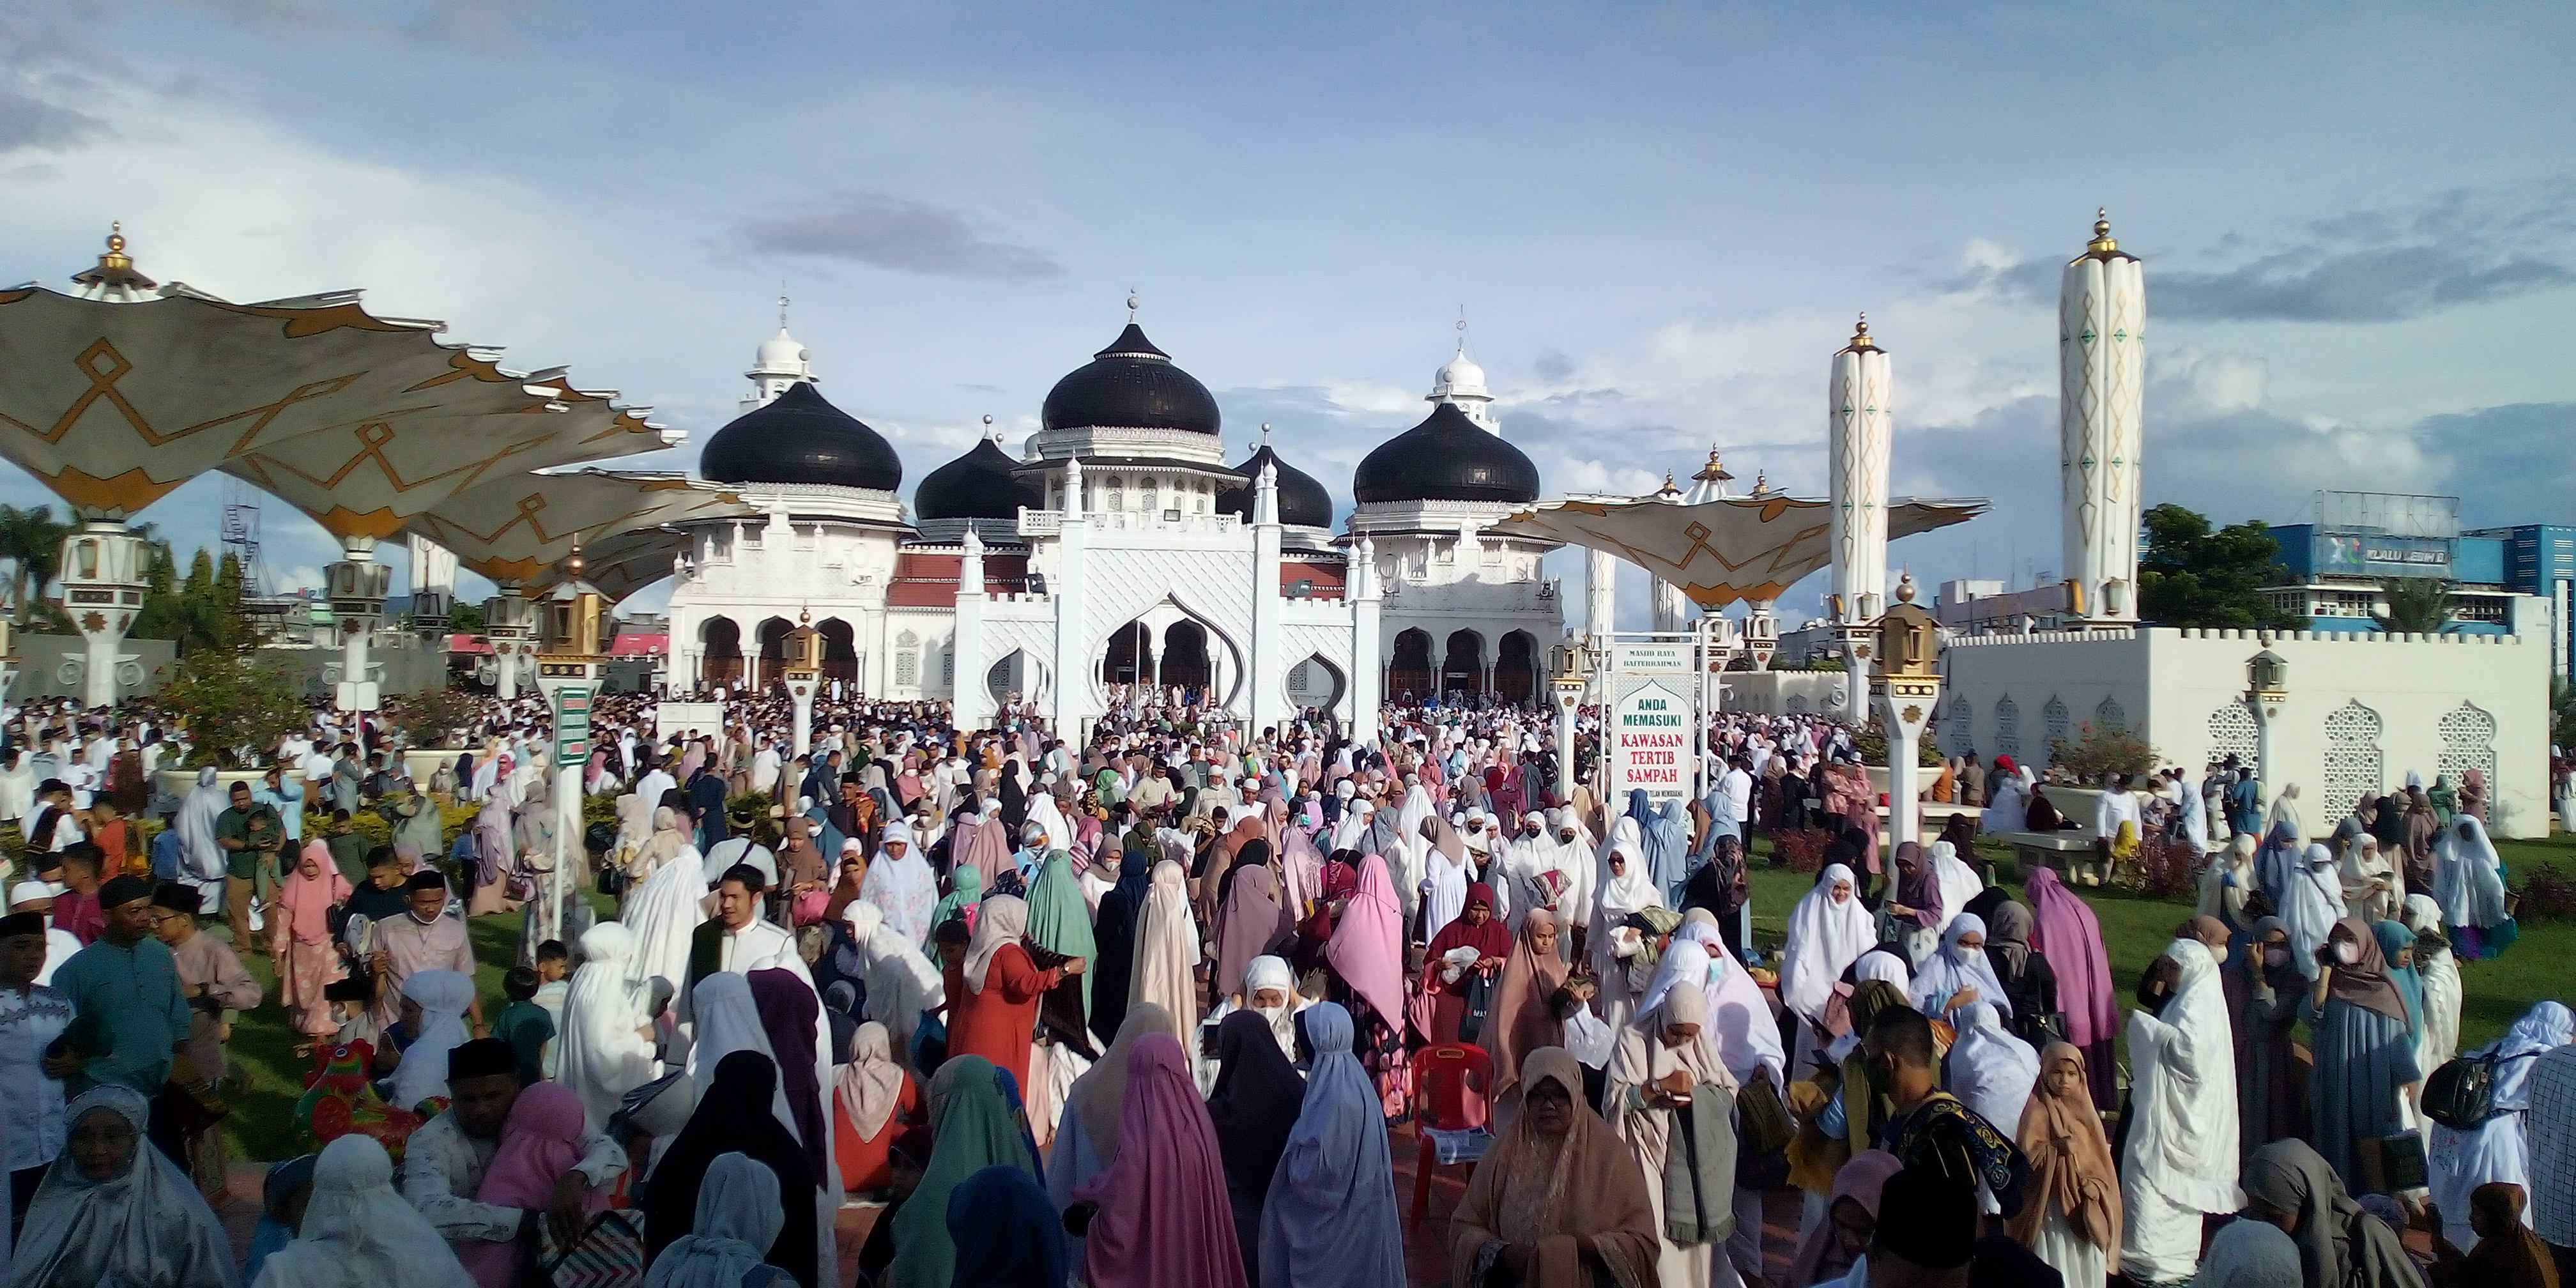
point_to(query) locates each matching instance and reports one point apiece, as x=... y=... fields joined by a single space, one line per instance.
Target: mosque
x=1116 y=547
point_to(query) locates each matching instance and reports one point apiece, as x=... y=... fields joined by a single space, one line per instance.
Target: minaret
x=1859 y=419
x=1461 y=383
x=2102 y=363
x=781 y=362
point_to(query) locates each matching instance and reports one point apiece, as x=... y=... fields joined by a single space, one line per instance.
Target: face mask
x=1964 y=955
x=2348 y=953
x=2276 y=958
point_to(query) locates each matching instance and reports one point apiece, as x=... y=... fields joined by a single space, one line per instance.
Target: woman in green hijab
x=974 y=1124
x=1060 y=922
x=965 y=890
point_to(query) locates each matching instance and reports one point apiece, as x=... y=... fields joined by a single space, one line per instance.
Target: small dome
x=1459 y=377
x=1446 y=458
x=977 y=485
x=1303 y=502
x=1130 y=385
x=781 y=354
x=800 y=438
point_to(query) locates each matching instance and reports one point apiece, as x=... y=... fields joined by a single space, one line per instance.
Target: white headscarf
x=2183 y=1144
x=1684 y=961
x=664 y=913
x=901 y=982
x=147 y=1226
x=1272 y=972
x=2311 y=906
x=1004 y=920
x=196 y=824
x=602 y=1055
x=1824 y=939
x=1959 y=883
x=738 y=1216
x=1951 y=968
x=358 y=1231
x=1991 y=1070
x=1746 y=1036
x=905 y=889
x=442 y=996
x=727 y=1020
x=2468 y=879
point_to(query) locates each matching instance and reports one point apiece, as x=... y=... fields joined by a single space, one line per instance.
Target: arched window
x=907 y=661
x=2007 y=727
x=1115 y=493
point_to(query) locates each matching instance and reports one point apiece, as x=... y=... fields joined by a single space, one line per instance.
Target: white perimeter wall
x=2363 y=708
x=1773 y=693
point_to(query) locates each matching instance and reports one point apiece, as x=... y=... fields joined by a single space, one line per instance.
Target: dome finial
x=1462 y=330
x=1265 y=433
x=1906 y=590
x=1860 y=334
x=573 y=563
x=2102 y=242
x=988 y=425
x=1131 y=304
x=782 y=308
x=1714 y=470
x=1761 y=483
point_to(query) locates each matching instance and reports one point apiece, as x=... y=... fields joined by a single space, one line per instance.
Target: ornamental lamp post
x=1573 y=660
x=569 y=661
x=803 y=674
x=510 y=627
x=2267 y=694
x=1907 y=686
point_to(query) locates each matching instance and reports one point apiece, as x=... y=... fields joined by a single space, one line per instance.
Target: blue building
x=2540 y=560
x=2335 y=569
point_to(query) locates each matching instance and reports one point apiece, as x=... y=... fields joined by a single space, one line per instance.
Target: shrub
x=432 y=719
x=1871 y=742
x=2097 y=753
x=236 y=709
x=2167 y=867
x=1802 y=850
x=2548 y=894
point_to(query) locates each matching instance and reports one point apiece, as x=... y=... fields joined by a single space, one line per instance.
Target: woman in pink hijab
x=300 y=939
x=1366 y=957
x=2066 y=933
x=984 y=845
x=1161 y=1215
x=540 y=1141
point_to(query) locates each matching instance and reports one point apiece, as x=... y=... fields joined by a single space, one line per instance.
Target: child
x=523 y=1024
x=114 y=838
x=348 y=849
x=554 y=982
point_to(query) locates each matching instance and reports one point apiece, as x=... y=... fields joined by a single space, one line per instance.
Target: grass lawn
x=2136 y=929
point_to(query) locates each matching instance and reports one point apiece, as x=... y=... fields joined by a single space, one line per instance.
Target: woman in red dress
x=874 y=1100
x=1492 y=942
x=993 y=994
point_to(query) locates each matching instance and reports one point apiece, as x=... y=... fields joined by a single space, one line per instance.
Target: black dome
x=1130 y=385
x=1446 y=458
x=977 y=485
x=799 y=438
x=1302 y=500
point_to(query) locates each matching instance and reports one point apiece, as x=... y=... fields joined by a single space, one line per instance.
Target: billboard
x=2371 y=554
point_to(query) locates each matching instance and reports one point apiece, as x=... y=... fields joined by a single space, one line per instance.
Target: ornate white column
x=358 y=586
x=2102 y=362
x=1600 y=594
x=433 y=586
x=973 y=706
x=1368 y=672
x=510 y=627
x=102 y=591
x=1672 y=607
x=1072 y=661
x=1859 y=422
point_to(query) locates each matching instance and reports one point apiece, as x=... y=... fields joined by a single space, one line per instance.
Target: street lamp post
x=2267 y=692
x=803 y=674
x=1573 y=676
x=569 y=662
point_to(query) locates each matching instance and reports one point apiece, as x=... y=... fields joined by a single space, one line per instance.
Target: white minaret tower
x=1461 y=383
x=781 y=362
x=1860 y=417
x=2102 y=366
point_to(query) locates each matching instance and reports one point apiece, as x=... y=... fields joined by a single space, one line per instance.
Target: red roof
x=923 y=579
x=1324 y=580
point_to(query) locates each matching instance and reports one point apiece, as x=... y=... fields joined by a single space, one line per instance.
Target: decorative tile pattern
x=2352 y=756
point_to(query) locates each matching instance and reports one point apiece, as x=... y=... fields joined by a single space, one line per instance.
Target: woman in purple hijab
x=2071 y=939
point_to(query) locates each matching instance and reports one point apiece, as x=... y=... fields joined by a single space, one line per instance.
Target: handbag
x=1762 y=1120
x=609 y=1253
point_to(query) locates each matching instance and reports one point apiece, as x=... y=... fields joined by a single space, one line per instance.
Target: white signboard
x=1651 y=657
x=671 y=718
x=1650 y=742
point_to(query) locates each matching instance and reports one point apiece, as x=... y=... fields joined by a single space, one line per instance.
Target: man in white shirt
x=2115 y=806
x=738 y=848
x=737 y=939
x=444 y=1161
x=1733 y=798
x=655 y=783
x=37 y=898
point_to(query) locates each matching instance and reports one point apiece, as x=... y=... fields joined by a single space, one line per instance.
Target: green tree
x=2562 y=713
x=2416 y=605
x=31 y=539
x=236 y=707
x=2192 y=575
x=464 y=617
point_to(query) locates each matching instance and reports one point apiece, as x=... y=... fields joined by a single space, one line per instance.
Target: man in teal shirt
x=129 y=1015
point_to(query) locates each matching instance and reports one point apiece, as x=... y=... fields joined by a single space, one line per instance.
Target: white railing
x=1049 y=523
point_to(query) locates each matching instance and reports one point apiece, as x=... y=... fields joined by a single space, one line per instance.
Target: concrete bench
x=2032 y=849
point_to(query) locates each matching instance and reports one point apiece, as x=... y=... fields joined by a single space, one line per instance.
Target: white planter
x=421 y=763
x=177 y=783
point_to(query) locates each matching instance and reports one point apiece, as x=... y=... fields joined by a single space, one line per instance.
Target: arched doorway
x=1462 y=665
x=1409 y=674
x=1124 y=660
x=773 y=653
x=1516 y=667
x=840 y=650
x=720 y=659
x=1315 y=684
x=1185 y=658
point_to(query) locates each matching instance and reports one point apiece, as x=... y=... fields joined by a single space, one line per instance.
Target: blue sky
x=1660 y=220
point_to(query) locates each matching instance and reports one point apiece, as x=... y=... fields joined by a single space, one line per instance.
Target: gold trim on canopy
x=1724 y=550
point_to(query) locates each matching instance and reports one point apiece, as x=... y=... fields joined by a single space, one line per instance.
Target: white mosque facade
x=1117 y=548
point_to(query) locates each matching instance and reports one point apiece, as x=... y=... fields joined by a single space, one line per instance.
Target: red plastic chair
x=1450 y=1086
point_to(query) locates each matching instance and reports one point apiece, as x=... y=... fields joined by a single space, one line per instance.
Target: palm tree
x=32 y=541
x=2416 y=605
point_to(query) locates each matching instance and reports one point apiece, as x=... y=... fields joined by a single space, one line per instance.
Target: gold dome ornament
x=1860 y=335
x=2103 y=243
x=1715 y=470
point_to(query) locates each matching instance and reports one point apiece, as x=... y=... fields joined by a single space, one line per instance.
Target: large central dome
x=1130 y=385
x=800 y=438
x=1446 y=458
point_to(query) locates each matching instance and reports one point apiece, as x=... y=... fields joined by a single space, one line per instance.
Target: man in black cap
x=444 y=1161
x=126 y=989
x=423 y=938
x=740 y=848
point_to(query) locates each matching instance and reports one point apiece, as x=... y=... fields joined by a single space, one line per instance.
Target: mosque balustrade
x=1050 y=523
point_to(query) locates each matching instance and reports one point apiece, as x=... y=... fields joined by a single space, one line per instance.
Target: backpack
x=2461 y=1094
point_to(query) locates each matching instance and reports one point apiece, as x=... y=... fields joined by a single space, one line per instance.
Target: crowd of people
x=1144 y=1005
